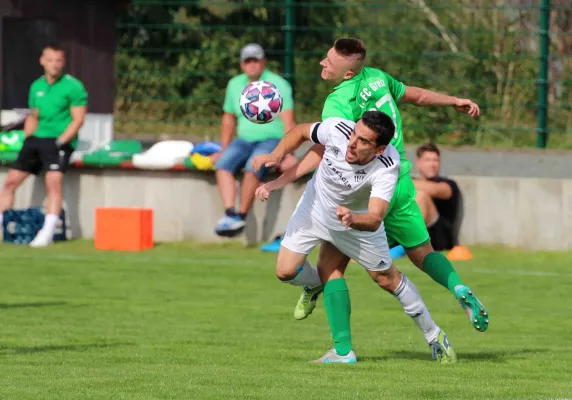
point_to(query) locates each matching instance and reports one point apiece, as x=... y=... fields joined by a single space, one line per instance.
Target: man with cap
x=252 y=139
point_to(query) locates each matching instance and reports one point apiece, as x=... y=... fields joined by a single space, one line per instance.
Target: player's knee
x=385 y=280
x=10 y=185
x=54 y=189
x=285 y=274
x=417 y=255
x=388 y=280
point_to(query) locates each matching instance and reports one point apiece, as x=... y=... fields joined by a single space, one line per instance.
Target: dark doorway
x=23 y=40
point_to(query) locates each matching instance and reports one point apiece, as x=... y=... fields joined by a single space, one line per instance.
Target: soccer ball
x=261 y=102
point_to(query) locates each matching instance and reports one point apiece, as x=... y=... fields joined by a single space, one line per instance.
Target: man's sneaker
x=307 y=302
x=229 y=226
x=42 y=239
x=475 y=310
x=442 y=351
x=332 y=357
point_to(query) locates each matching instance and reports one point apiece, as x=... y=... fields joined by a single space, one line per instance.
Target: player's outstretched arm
x=308 y=163
x=370 y=221
x=423 y=97
x=289 y=143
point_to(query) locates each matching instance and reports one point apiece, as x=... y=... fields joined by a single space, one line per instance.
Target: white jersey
x=339 y=183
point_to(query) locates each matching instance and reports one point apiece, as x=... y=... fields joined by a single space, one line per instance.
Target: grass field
x=191 y=321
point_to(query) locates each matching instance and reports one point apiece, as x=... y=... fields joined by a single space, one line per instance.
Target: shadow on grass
x=13 y=350
x=34 y=305
x=482 y=356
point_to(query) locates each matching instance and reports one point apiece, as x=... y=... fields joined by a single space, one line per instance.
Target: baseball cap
x=251 y=50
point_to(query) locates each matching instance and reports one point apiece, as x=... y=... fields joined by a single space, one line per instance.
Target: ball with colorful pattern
x=261 y=102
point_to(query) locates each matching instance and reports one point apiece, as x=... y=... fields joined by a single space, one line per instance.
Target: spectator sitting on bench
x=252 y=140
x=438 y=198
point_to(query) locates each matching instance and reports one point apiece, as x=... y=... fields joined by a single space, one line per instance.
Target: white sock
x=413 y=305
x=306 y=275
x=50 y=223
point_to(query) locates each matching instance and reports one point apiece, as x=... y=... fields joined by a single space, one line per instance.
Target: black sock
x=230 y=212
x=243 y=215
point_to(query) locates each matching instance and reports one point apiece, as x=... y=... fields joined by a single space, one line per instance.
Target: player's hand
x=467 y=106
x=345 y=216
x=267 y=160
x=263 y=191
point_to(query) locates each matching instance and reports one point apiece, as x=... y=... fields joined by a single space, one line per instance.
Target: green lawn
x=211 y=322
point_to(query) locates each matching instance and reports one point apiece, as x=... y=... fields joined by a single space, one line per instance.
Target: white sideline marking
x=100 y=258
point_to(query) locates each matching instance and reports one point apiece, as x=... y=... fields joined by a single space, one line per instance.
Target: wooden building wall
x=84 y=28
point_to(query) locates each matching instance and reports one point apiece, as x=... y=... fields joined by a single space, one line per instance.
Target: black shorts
x=441 y=233
x=41 y=154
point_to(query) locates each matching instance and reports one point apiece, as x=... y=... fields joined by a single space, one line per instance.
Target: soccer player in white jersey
x=342 y=209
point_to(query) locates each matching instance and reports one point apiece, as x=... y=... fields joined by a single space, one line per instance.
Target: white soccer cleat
x=333 y=357
x=42 y=239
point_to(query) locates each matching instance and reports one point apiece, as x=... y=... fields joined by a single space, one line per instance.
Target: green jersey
x=54 y=103
x=372 y=89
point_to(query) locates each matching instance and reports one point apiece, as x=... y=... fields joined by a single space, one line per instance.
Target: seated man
x=438 y=198
x=253 y=139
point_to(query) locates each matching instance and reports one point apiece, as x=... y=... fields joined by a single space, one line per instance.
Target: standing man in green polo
x=58 y=104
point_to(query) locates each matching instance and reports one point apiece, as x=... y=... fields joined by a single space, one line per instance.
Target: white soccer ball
x=261 y=102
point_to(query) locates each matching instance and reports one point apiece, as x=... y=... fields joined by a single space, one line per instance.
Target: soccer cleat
x=42 y=239
x=442 y=351
x=274 y=246
x=475 y=310
x=230 y=226
x=307 y=302
x=332 y=357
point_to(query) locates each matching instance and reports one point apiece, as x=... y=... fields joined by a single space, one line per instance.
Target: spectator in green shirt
x=58 y=104
x=253 y=139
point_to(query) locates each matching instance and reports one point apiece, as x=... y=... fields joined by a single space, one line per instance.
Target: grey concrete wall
x=532 y=213
x=530 y=163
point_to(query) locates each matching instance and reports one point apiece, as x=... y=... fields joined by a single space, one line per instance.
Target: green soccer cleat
x=442 y=351
x=307 y=302
x=475 y=310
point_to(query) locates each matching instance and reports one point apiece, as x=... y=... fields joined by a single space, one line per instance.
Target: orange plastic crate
x=123 y=229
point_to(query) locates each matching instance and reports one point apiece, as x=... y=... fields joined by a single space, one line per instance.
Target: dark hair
x=348 y=47
x=53 y=47
x=427 y=148
x=381 y=124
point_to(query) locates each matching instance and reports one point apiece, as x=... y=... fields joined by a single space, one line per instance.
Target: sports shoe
x=475 y=310
x=42 y=239
x=332 y=357
x=442 y=350
x=230 y=226
x=274 y=246
x=307 y=302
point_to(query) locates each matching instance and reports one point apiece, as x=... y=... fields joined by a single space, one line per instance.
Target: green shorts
x=404 y=223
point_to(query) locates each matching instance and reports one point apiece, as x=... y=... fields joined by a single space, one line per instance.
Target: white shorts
x=369 y=249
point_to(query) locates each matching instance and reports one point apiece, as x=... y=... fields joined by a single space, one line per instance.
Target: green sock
x=338 y=310
x=441 y=271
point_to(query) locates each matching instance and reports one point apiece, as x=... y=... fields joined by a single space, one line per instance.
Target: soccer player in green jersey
x=360 y=89
x=58 y=106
